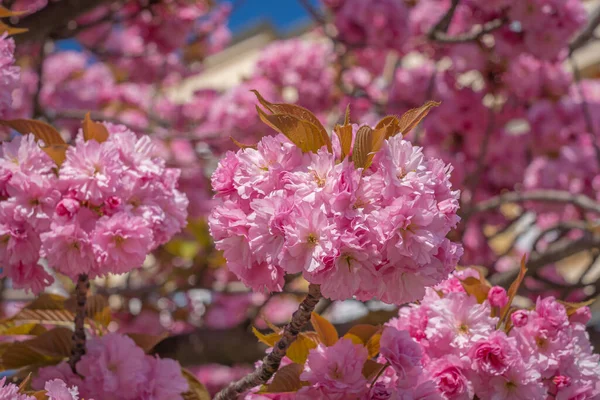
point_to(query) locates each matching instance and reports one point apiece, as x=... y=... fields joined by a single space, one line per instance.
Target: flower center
x=312 y=239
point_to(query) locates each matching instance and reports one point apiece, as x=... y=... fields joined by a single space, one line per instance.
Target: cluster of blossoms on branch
x=462 y=341
x=365 y=215
x=115 y=368
x=101 y=210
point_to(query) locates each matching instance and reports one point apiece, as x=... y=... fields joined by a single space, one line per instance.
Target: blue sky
x=283 y=14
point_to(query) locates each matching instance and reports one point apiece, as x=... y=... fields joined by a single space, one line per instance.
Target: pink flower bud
x=113 y=202
x=519 y=318
x=67 y=207
x=497 y=297
x=561 y=381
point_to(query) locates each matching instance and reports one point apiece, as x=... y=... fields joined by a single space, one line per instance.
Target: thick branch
x=78 y=350
x=548 y=196
x=55 y=16
x=272 y=361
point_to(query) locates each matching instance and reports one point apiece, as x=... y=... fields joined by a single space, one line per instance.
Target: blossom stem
x=387 y=364
x=271 y=362
x=78 y=350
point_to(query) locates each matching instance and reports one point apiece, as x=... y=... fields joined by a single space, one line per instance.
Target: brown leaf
x=297 y=111
x=371 y=368
x=39 y=395
x=344 y=134
x=53 y=143
x=46 y=317
x=11 y=328
x=41 y=130
x=5 y=12
x=93 y=130
x=573 y=307
x=373 y=344
x=347 y=116
x=287 y=379
x=353 y=338
x=11 y=30
x=241 y=145
x=325 y=329
x=196 y=390
x=366 y=144
x=390 y=124
x=57 y=152
x=476 y=287
x=147 y=342
x=94 y=305
x=412 y=117
x=55 y=343
x=269 y=339
x=302 y=133
x=19 y=355
x=512 y=290
x=299 y=349
x=364 y=331
x=362 y=146
x=24 y=383
x=47 y=301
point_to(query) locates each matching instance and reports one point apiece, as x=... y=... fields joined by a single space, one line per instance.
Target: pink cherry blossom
x=335 y=372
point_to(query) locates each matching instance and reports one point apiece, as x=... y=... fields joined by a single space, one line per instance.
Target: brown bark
x=78 y=350
x=272 y=361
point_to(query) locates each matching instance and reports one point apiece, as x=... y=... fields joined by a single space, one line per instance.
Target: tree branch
x=444 y=23
x=476 y=33
x=272 y=361
x=556 y=253
x=587 y=33
x=78 y=350
x=548 y=196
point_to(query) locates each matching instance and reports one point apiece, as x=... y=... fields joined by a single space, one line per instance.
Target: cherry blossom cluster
x=55 y=389
x=456 y=346
x=115 y=368
x=378 y=232
x=102 y=211
x=532 y=354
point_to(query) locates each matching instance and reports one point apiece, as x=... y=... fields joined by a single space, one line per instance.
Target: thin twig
x=548 y=196
x=444 y=23
x=271 y=362
x=474 y=179
x=558 y=252
x=476 y=33
x=78 y=349
x=587 y=33
x=585 y=107
x=38 y=111
x=316 y=15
